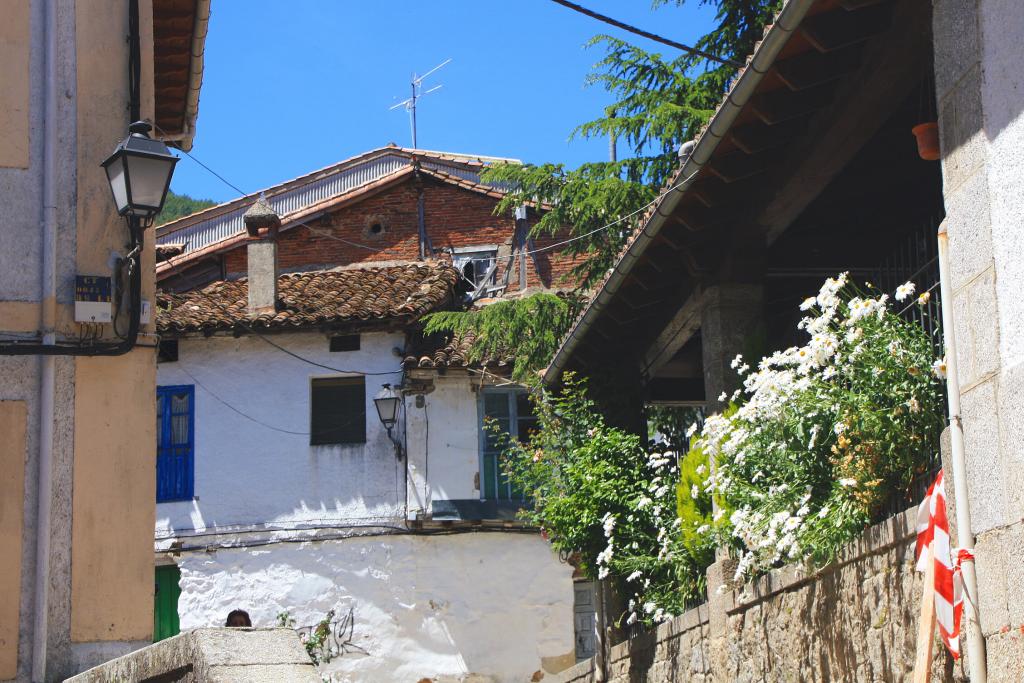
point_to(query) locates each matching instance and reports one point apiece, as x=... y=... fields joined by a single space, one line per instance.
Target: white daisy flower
x=904 y=290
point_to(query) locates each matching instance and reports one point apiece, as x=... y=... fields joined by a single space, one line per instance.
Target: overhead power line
x=646 y=34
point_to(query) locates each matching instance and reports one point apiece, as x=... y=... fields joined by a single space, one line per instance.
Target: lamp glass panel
x=117 y=179
x=387 y=409
x=149 y=180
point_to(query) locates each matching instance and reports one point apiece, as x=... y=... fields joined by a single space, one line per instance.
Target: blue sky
x=290 y=87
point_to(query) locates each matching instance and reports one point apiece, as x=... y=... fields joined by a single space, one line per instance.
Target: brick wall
x=454 y=217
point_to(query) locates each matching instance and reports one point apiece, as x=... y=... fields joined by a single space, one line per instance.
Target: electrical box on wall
x=93 y=301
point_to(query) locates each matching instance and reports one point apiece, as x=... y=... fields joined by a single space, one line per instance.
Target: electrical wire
x=646 y=34
x=539 y=250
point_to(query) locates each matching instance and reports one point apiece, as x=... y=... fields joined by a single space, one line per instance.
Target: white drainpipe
x=964 y=532
x=40 y=605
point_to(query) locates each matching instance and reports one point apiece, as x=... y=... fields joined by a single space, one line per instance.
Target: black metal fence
x=916 y=259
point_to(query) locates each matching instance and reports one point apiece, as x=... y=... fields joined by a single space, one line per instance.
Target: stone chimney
x=262 y=222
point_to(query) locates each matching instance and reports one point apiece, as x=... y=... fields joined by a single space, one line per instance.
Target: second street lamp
x=139 y=172
x=387 y=403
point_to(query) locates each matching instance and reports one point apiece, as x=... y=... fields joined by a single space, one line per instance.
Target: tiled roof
x=448 y=352
x=356 y=296
x=293 y=199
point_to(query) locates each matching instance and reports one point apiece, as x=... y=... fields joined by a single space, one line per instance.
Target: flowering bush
x=823 y=434
x=602 y=499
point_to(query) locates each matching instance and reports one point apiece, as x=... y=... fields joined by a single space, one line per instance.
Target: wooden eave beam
x=834 y=30
x=784 y=105
x=759 y=136
x=893 y=64
x=738 y=165
x=678 y=330
x=815 y=68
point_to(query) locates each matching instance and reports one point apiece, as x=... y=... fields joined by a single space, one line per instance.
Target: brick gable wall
x=454 y=217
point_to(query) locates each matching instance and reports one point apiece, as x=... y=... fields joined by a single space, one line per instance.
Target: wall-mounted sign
x=92 y=299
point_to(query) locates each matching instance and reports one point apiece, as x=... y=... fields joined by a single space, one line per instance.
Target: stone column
x=732 y=322
x=979 y=89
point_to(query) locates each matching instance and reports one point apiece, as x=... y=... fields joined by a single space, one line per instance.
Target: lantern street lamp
x=139 y=172
x=387 y=402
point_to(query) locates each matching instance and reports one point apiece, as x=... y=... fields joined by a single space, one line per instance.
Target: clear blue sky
x=290 y=87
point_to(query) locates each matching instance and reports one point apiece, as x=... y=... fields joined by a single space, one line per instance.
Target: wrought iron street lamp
x=387 y=402
x=139 y=172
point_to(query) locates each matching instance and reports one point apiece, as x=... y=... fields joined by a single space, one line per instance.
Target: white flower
x=701 y=469
x=632 y=618
x=808 y=303
x=609 y=524
x=603 y=572
x=939 y=368
x=691 y=430
x=649 y=607
x=737 y=361
x=839 y=428
x=722 y=397
x=924 y=297
x=904 y=290
x=822 y=512
x=847 y=482
x=643 y=502
x=634 y=576
x=694 y=492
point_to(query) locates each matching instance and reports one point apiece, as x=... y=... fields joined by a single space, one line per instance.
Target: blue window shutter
x=175 y=456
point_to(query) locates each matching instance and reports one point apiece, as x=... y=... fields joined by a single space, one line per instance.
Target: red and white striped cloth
x=933 y=528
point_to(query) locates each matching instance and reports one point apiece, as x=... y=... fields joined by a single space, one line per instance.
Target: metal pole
x=413 y=110
x=965 y=534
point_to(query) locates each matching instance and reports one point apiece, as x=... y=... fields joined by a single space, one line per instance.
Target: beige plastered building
x=77 y=434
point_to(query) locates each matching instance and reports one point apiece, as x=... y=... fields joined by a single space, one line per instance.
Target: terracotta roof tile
x=445 y=351
x=401 y=294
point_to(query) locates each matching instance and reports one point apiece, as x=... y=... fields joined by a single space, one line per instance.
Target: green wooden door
x=165 y=608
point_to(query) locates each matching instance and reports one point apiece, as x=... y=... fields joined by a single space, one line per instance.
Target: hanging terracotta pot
x=927 y=135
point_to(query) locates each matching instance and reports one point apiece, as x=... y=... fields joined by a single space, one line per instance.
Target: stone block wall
x=855 y=620
x=980 y=98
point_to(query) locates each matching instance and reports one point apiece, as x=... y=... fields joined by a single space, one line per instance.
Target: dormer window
x=477 y=267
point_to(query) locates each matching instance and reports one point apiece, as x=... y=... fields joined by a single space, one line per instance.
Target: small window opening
x=167 y=352
x=344 y=342
x=376 y=229
x=477 y=268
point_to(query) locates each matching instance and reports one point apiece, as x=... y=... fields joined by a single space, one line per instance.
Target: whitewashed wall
x=248 y=474
x=481 y=606
x=443 y=442
x=494 y=605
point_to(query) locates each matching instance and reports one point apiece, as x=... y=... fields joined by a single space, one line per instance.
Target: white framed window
x=477 y=266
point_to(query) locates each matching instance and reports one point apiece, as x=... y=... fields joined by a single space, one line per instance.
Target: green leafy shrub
x=600 y=497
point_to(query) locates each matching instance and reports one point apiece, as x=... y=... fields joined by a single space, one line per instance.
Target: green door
x=165 y=608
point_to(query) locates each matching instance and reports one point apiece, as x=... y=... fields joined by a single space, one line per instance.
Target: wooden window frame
x=184 y=488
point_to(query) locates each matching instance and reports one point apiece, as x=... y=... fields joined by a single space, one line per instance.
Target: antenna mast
x=416 y=86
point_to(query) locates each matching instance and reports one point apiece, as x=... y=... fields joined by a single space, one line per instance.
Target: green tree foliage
x=660 y=102
x=178 y=205
x=528 y=328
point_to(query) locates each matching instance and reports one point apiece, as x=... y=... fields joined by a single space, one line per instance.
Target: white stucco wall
x=247 y=474
x=444 y=442
x=497 y=604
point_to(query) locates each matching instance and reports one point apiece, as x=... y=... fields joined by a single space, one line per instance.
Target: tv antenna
x=417 y=92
